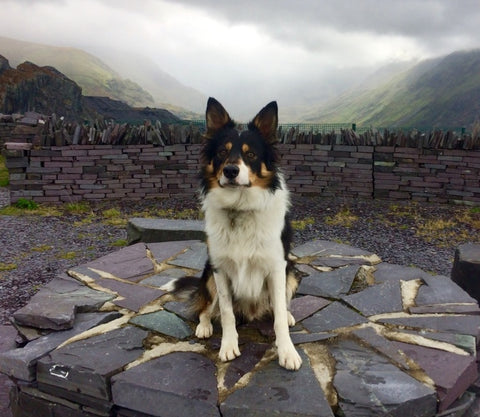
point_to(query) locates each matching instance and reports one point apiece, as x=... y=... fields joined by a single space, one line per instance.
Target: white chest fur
x=244 y=229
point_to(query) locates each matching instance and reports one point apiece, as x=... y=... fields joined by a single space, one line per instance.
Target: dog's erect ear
x=216 y=117
x=266 y=121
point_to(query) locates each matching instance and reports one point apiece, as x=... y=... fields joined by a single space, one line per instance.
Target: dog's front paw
x=204 y=330
x=291 y=319
x=229 y=351
x=289 y=358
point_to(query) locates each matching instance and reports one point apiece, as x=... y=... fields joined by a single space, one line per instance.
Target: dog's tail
x=198 y=293
x=182 y=289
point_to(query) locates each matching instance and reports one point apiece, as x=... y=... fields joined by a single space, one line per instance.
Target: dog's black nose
x=231 y=171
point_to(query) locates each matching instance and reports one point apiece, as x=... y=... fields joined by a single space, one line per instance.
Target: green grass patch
x=42 y=248
x=81 y=207
x=4 y=177
x=113 y=217
x=67 y=255
x=120 y=243
x=25 y=204
x=303 y=223
x=7 y=267
x=344 y=217
x=28 y=207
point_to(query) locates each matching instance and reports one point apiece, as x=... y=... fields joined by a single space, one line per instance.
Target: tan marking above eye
x=245 y=148
x=264 y=170
x=228 y=146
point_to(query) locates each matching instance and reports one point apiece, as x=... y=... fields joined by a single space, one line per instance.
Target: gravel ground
x=35 y=248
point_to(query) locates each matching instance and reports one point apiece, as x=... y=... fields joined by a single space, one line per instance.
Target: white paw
x=289 y=358
x=229 y=351
x=291 y=319
x=204 y=330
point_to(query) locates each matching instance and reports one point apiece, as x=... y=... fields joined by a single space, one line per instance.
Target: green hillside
x=90 y=73
x=442 y=92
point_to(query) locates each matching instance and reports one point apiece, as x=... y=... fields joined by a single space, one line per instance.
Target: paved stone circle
x=104 y=339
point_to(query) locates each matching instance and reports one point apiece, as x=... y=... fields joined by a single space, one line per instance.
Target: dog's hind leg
x=292 y=285
x=229 y=348
x=205 y=328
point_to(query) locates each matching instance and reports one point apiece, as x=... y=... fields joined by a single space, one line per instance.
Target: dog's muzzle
x=235 y=175
x=231 y=171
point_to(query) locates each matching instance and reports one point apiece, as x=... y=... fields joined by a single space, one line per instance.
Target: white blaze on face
x=241 y=179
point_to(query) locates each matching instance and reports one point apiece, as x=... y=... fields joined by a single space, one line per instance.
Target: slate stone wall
x=96 y=172
x=6 y=130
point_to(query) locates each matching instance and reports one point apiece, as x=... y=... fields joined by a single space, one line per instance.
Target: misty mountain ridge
x=441 y=92
x=96 y=78
x=45 y=90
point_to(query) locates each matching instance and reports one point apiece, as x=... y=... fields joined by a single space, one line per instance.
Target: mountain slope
x=167 y=91
x=442 y=92
x=94 y=76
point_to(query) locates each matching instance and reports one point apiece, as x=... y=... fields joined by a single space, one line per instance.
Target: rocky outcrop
x=122 y=112
x=46 y=90
x=4 y=65
x=41 y=89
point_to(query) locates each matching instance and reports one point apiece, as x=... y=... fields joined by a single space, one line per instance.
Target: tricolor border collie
x=245 y=202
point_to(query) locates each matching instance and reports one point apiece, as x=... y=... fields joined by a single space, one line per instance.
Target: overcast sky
x=221 y=47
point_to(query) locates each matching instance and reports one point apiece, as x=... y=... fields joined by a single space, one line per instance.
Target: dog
x=245 y=202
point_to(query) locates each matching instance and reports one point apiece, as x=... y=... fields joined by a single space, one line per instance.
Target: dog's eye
x=222 y=153
x=251 y=155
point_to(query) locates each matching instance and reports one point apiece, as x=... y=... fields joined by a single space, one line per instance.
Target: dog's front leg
x=288 y=357
x=229 y=347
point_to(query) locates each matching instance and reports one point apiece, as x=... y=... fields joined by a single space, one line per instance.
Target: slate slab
x=7 y=342
x=329 y=284
x=474 y=410
x=162 y=251
x=28 y=401
x=303 y=307
x=163 y=322
x=332 y=317
x=298 y=338
x=368 y=385
x=388 y=272
x=21 y=363
x=440 y=290
x=84 y=368
x=178 y=384
x=450 y=323
x=193 y=258
x=370 y=337
x=164 y=230
x=182 y=310
x=452 y=378
x=322 y=248
x=252 y=353
x=462 y=406
x=463 y=341
x=163 y=278
x=339 y=261
x=134 y=296
x=466 y=268
x=377 y=299
x=27 y=405
x=446 y=309
x=131 y=263
x=274 y=391
x=55 y=305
